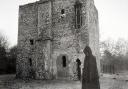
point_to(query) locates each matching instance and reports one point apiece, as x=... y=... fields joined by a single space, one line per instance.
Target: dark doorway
x=78 y=68
x=62 y=63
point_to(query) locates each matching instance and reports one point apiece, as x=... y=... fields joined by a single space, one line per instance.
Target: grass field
x=106 y=82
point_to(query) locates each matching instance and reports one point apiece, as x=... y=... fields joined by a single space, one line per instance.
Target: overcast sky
x=113 y=18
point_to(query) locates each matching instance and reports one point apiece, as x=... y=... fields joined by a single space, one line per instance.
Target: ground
x=107 y=82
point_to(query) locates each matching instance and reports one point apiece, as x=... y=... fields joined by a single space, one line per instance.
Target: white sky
x=113 y=18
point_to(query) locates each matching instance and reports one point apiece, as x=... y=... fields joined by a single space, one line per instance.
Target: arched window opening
x=30 y=61
x=64 y=61
x=78 y=15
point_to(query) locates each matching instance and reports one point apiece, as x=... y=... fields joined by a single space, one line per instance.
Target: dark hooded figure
x=90 y=78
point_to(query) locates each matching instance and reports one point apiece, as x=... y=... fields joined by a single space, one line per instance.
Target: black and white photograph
x=64 y=44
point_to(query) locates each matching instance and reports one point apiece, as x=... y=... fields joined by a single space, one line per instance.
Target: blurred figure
x=90 y=78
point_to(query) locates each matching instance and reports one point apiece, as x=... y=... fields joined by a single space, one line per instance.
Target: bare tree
x=3 y=58
x=11 y=60
x=115 y=53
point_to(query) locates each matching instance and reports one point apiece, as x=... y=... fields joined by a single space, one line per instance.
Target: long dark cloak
x=90 y=78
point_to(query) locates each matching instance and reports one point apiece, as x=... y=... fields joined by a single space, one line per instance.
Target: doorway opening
x=62 y=63
x=78 y=68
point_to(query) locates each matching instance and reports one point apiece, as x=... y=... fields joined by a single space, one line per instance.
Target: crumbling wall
x=63 y=34
x=51 y=26
x=27 y=31
x=66 y=38
x=44 y=41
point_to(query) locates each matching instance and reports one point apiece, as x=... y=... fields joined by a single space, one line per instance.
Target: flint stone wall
x=55 y=36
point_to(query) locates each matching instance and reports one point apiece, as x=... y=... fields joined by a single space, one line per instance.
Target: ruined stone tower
x=52 y=35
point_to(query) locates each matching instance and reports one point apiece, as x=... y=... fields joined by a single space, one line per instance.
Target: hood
x=87 y=50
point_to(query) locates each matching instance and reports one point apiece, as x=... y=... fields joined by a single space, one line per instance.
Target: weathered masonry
x=52 y=35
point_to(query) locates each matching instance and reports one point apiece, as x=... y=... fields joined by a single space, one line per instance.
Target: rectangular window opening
x=30 y=61
x=78 y=15
x=64 y=61
x=31 y=41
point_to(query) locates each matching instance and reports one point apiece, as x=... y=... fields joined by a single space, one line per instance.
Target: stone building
x=52 y=35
